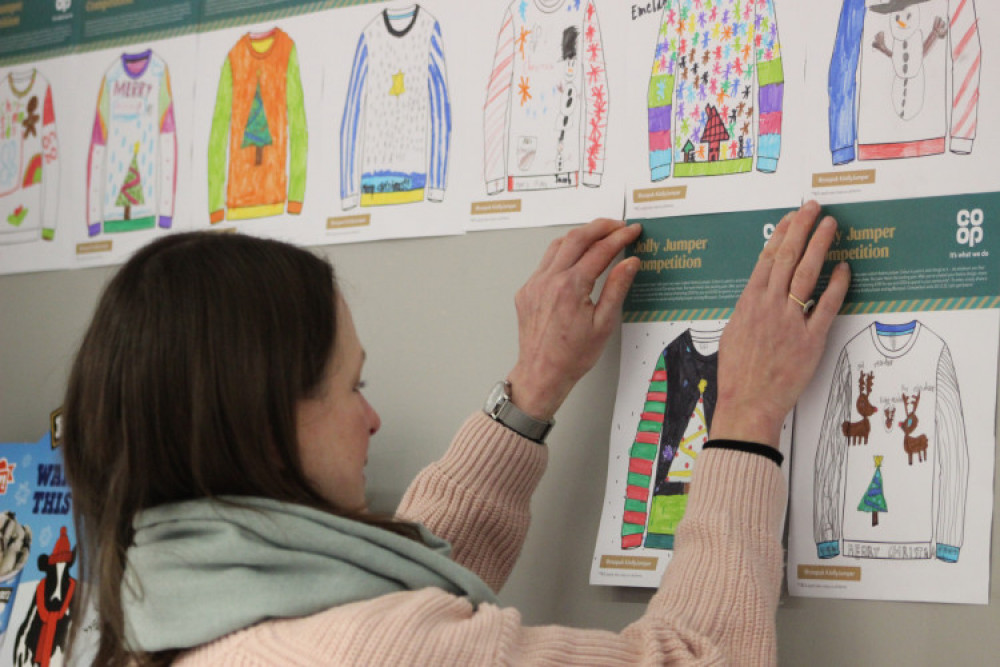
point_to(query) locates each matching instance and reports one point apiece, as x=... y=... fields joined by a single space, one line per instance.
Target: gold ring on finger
x=807 y=306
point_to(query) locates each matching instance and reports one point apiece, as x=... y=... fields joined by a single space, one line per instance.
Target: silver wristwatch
x=499 y=406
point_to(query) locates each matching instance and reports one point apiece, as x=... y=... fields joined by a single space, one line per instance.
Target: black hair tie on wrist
x=749 y=447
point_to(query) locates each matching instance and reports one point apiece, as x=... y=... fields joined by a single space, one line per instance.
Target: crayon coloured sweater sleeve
x=217 y=144
x=496 y=108
x=596 y=94
x=843 y=82
x=95 y=162
x=440 y=103
x=770 y=88
x=659 y=101
x=966 y=63
x=298 y=135
x=716 y=604
x=50 y=167
x=351 y=125
x=642 y=457
x=167 y=153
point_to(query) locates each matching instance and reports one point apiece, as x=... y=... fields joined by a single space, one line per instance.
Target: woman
x=216 y=436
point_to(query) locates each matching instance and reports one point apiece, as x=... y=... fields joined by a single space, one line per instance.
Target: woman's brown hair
x=185 y=386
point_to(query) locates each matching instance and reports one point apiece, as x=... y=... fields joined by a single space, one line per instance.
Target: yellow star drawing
x=397 y=84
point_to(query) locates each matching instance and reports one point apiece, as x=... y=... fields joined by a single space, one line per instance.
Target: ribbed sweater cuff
x=747 y=487
x=744 y=446
x=494 y=459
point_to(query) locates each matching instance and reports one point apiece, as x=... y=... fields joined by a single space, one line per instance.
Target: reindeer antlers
x=916 y=402
x=865 y=382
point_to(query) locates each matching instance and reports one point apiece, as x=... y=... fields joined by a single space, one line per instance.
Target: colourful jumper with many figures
x=704 y=119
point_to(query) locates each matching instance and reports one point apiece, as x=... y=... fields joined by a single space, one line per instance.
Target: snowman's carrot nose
x=901 y=24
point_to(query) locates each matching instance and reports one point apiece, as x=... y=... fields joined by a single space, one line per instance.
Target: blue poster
x=38 y=568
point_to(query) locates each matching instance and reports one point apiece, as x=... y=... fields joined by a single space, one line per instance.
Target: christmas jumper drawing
x=904 y=78
x=673 y=427
x=29 y=158
x=546 y=111
x=900 y=369
x=258 y=144
x=395 y=133
x=704 y=119
x=133 y=144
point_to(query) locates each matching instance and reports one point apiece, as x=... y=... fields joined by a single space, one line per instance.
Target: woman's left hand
x=561 y=331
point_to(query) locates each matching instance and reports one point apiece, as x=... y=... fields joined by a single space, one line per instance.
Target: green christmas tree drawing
x=130 y=193
x=874 y=499
x=257 y=133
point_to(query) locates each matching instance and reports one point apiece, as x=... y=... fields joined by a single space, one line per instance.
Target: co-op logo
x=63 y=5
x=970 y=227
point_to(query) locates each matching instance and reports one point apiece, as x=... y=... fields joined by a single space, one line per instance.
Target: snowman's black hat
x=894 y=6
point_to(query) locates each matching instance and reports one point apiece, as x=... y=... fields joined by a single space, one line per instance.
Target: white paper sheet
x=636 y=531
x=897 y=505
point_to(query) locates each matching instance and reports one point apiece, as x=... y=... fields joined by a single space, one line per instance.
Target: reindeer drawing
x=913 y=444
x=857 y=432
x=890 y=414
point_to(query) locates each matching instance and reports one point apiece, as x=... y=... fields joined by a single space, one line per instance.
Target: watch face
x=497 y=395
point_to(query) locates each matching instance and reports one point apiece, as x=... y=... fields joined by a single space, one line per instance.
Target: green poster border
x=925 y=239
x=197 y=25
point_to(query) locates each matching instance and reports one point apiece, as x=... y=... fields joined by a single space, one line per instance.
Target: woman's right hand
x=771 y=347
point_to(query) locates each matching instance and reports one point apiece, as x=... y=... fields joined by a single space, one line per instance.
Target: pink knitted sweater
x=716 y=603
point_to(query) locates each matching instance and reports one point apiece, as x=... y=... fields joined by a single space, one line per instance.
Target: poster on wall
x=258 y=166
x=692 y=272
x=893 y=474
x=901 y=87
x=114 y=22
x=128 y=148
x=39 y=566
x=715 y=108
x=37 y=115
x=38 y=29
x=389 y=123
x=548 y=98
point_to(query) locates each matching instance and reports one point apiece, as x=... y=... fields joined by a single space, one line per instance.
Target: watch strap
x=502 y=409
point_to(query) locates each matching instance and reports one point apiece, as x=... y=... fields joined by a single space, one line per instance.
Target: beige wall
x=437 y=319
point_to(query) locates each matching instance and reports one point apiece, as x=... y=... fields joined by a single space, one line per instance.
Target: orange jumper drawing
x=259 y=124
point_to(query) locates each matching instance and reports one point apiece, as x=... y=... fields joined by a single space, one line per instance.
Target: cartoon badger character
x=41 y=639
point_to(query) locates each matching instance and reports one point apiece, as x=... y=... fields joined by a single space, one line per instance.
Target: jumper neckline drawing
x=884 y=334
x=131 y=60
x=398 y=15
x=261 y=44
x=697 y=337
x=21 y=77
x=550 y=6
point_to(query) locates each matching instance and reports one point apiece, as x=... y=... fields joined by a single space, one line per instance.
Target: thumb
x=609 y=304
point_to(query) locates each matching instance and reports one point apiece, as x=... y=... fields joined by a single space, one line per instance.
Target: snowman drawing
x=907 y=51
